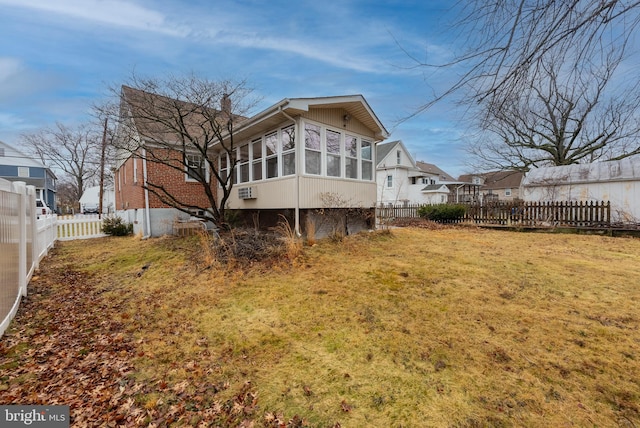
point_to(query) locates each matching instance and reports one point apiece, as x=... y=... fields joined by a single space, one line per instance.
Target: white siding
x=614 y=181
x=353 y=193
x=270 y=194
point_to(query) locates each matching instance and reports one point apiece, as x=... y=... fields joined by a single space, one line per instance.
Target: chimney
x=225 y=104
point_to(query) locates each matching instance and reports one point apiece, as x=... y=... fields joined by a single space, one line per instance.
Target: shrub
x=114 y=226
x=442 y=213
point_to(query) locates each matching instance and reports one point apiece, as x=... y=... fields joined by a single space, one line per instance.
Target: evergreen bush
x=442 y=213
x=114 y=226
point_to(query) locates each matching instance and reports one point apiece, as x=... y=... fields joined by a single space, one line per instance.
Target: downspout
x=146 y=195
x=297 y=191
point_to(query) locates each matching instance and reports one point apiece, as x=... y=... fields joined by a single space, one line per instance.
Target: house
x=615 y=181
x=492 y=186
x=401 y=180
x=295 y=158
x=91 y=198
x=16 y=166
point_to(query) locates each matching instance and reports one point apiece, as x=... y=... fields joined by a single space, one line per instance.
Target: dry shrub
x=241 y=247
x=292 y=243
x=207 y=247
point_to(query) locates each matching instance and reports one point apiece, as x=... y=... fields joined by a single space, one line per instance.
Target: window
x=23 y=171
x=224 y=167
x=413 y=180
x=333 y=153
x=1 y=152
x=389 y=180
x=398 y=157
x=288 y=140
x=351 y=156
x=243 y=164
x=271 y=145
x=195 y=167
x=507 y=192
x=256 y=147
x=312 y=149
x=367 y=164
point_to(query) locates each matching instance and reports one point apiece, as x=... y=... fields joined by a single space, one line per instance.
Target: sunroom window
x=224 y=167
x=312 y=149
x=271 y=145
x=367 y=164
x=243 y=164
x=351 y=156
x=288 y=151
x=256 y=146
x=333 y=153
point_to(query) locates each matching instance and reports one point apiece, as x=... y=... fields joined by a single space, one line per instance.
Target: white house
x=614 y=181
x=402 y=180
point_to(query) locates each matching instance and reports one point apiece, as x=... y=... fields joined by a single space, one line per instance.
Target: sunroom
x=294 y=154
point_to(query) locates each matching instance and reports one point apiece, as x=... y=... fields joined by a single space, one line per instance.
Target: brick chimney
x=225 y=104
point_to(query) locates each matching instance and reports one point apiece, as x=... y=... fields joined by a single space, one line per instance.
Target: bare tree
x=185 y=124
x=509 y=47
x=74 y=151
x=564 y=117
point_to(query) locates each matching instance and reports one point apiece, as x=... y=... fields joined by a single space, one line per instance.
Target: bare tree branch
x=184 y=124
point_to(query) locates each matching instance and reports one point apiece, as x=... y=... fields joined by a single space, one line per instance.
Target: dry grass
x=410 y=327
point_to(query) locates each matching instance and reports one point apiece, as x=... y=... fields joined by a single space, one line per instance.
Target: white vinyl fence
x=25 y=238
x=83 y=226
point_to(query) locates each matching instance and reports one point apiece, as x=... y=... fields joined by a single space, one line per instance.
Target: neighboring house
x=91 y=199
x=401 y=180
x=493 y=186
x=16 y=166
x=296 y=157
x=615 y=181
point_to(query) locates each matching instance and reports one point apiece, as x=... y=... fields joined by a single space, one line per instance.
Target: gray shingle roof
x=382 y=150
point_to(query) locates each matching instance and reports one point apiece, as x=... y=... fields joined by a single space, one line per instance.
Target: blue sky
x=57 y=57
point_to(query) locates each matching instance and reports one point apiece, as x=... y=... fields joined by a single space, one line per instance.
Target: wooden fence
x=530 y=214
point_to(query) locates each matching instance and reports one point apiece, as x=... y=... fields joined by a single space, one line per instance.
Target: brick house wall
x=129 y=180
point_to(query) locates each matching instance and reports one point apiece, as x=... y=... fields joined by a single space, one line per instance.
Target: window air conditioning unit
x=246 y=193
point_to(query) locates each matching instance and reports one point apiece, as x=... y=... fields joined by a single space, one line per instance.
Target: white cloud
x=325 y=54
x=111 y=12
x=9 y=67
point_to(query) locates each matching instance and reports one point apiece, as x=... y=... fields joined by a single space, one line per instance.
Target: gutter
x=297 y=154
x=276 y=108
x=146 y=195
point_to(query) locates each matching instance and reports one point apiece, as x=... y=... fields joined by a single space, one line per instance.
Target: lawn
x=408 y=328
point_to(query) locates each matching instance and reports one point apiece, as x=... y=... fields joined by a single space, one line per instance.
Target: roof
x=155 y=116
x=626 y=169
x=382 y=150
x=496 y=179
x=355 y=106
x=14 y=157
x=435 y=188
x=434 y=170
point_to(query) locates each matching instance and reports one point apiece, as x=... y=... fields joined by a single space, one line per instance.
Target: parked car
x=91 y=209
x=42 y=208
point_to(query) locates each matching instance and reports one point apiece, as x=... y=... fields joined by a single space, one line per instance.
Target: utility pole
x=102 y=154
